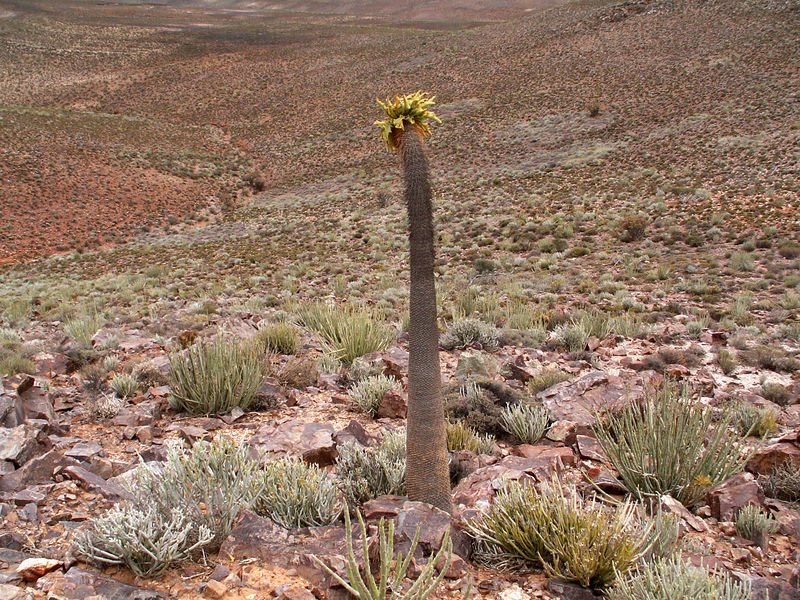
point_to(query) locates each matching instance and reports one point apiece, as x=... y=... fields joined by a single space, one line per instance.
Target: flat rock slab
x=78 y=584
x=313 y=442
x=96 y=484
x=579 y=400
x=84 y=450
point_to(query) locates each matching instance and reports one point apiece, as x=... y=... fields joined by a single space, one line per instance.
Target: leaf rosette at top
x=409 y=109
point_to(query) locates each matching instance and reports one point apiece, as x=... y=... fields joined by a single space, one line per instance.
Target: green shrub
x=572 y=337
x=366 y=473
x=123 y=385
x=752 y=522
x=672 y=579
x=82 y=329
x=783 y=483
x=727 y=360
x=14 y=363
x=753 y=420
x=392 y=569
x=789 y=250
x=775 y=392
x=281 y=338
x=742 y=261
x=213 y=378
x=526 y=422
x=110 y=363
x=298 y=495
x=148 y=374
x=573 y=539
x=660 y=446
x=463 y=437
x=468 y=332
x=146 y=541
x=368 y=393
x=547 y=379
x=105 y=407
x=662 y=537
x=346 y=332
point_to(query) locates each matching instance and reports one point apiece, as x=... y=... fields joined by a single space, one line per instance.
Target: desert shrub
x=362 y=368
x=522 y=338
x=81 y=329
x=526 y=422
x=742 y=261
x=297 y=494
x=300 y=371
x=123 y=385
x=469 y=332
x=478 y=405
x=463 y=437
x=632 y=228
x=149 y=375
x=790 y=301
x=775 y=392
x=574 y=539
x=661 y=535
x=110 y=363
x=212 y=378
x=13 y=363
x=9 y=337
x=572 y=337
x=789 y=250
x=547 y=379
x=753 y=420
x=771 y=357
x=368 y=393
x=209 y=484
x=672 y=578
x=144 y=540
x=475 y=363
x=660 y=447
x=392 y=569
x=346 y=332
x=753 y=522
x=727 y=360
x=783 y=483
x=105 y=407
x=366 y=473
x=281 y=338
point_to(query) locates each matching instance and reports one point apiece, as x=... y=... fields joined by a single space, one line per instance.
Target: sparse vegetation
x=281 y=338
x=123 y=385
x=463 y=437
x=783 y=482
x=469 y=332
x=752 y=522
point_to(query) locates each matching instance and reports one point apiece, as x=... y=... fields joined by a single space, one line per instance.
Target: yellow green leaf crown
x=411 y=109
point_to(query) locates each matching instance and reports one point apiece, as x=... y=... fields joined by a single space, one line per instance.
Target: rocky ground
x=62 y=466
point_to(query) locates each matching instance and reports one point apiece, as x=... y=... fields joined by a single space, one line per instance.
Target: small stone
x=220 y=573
x=32 y=568
x=215 y=589
x=393 y=405
x=296 y=592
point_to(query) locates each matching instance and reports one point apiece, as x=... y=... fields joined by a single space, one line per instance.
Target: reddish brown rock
x=313 y=442
x=764 y=460
x=590 y=448
x=21 y=443
x=31 y=569
x=393 y=405
x=727 y=498
x=96 y=484
x=673 y=506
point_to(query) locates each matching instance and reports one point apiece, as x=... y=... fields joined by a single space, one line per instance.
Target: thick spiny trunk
x=427 y=469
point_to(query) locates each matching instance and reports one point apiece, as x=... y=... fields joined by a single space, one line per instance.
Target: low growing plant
x=783 y=483
x=212 y=378
x=297 y=494
x=123 y=385
x=668 y=445
x=672 y=578
x=281 y=338
x=366 y=473
x=574 y=539
x=752 y=522
x=469 y=332
x=463 y=437
x=368 y=393
x=392 y=569
x=526 y=422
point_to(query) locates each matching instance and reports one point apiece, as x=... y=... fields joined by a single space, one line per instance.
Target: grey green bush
x=753 y=522
x=783 y=482
x=672 y=578
x=668 y=445
x=297 y=494
x=526 y=422
x=346 y=332
x=468 y=332
x=212 y=378
x=366 y=473
x=123 y=385
x=463 y=437
x=368 y=393
x=281 y=338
